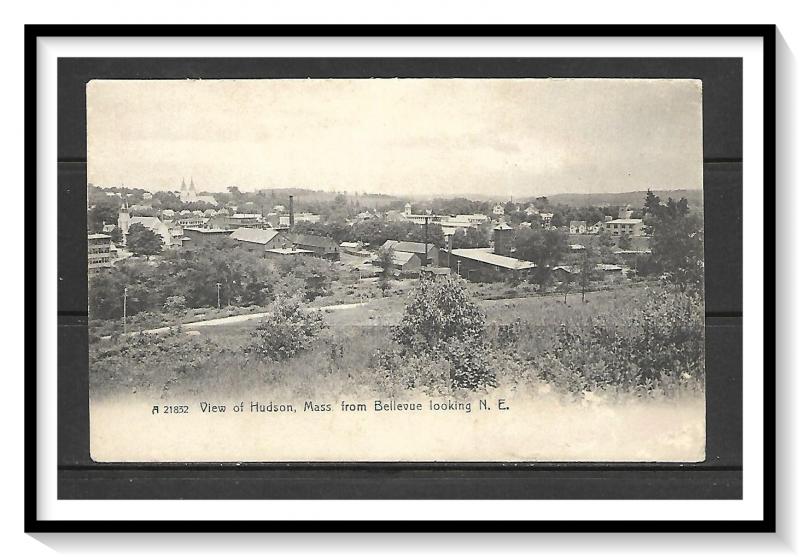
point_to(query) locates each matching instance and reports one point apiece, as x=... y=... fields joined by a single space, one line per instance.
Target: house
x=546 y=219
x=405 y=263
x=564 y=273
x=99 y=254
x=498 y=210
x=171 y=235
x=476 y=219
x=322 y=246
x=258 y=240
x=480 y=264
x=200 y=237
x=609 y=272
x=577 y=247
x=531 y=210
x=306 y=217
x=596 y=227
x=192 y=220
x=248 y=220
x=351 y=247
x=619 y=227
x=577 y=227
x=417 y=248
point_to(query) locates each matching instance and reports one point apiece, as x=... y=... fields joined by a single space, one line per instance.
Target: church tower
x=124 y=220
x=192 y=192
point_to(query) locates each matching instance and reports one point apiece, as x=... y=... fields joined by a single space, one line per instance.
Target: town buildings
x=619 y=227
x=258 y=240
x=417 y=248
x=171 y=234
x=480 y=264
x=99 y=252
x=405 y=263
x=577 y=227
x=503 y=236
x=199 y=237
x=321 y=246
x=188 y=194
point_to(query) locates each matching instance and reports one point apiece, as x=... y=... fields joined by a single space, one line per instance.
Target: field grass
x=357 y=333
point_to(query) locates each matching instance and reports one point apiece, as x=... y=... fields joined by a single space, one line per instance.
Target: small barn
x=258 y=240
x=405 y=263
x=321 y=246
x=417 y=248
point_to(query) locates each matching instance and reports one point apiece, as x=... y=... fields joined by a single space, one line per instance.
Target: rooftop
x=625 y=221
x=315 y=241
x=480 y=254
x=401 y=257
x=411 y=247
x=288 y=251
x=209 y=230
x=98 y=236
x=254 y=235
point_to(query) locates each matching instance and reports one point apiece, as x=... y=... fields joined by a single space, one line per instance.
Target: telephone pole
x=125 y=311
x=425 y=255
x=218 y=301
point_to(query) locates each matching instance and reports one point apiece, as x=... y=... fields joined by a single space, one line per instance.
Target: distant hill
x=634 y=198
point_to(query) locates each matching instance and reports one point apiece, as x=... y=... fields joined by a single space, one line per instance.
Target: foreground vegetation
x=440 y=340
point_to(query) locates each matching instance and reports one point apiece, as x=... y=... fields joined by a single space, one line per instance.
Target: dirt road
x=238 y=319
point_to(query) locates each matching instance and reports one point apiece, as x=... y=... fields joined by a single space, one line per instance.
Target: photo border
x=32 y=524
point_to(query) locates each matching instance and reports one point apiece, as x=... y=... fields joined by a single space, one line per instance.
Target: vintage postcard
x=401 y=270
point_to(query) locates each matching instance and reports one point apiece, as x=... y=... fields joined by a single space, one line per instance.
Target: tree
x=624 y=242
x=440 y=320
x=386 y=263
x=566 y=285
x=105 y=211
x=116 y=235
x=677 y=241
x=143 y=241
x=287 y=330
x=586 y=270
x=545 y=248
x=175 y=304
x=469 y=238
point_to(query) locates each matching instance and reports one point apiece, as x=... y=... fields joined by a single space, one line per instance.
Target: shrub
x=175 y=304
x=148 y=360
x=441 y=321
x=658 y=346
x=286 y=330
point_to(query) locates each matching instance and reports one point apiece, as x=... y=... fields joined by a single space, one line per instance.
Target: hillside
x=634 y=198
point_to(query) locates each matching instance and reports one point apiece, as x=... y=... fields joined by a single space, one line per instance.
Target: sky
x=499 y=137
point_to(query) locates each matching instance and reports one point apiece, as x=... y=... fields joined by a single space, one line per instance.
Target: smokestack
x=291 y=211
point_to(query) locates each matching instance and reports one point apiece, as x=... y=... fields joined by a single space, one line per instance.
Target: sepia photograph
x=396 y=270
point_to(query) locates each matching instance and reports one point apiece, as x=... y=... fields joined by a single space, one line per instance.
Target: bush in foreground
x=441 y=323
x=287 y=330
x=656 y=347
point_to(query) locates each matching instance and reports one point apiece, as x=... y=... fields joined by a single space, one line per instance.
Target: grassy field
x=213 y=359
x=550 y=419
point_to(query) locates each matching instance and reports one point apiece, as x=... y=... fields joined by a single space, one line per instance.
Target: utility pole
x=458 y=267
x=425 y=256
x=218 y=301
x=125 y=311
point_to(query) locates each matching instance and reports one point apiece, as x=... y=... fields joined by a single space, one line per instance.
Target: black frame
x=547 y=473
